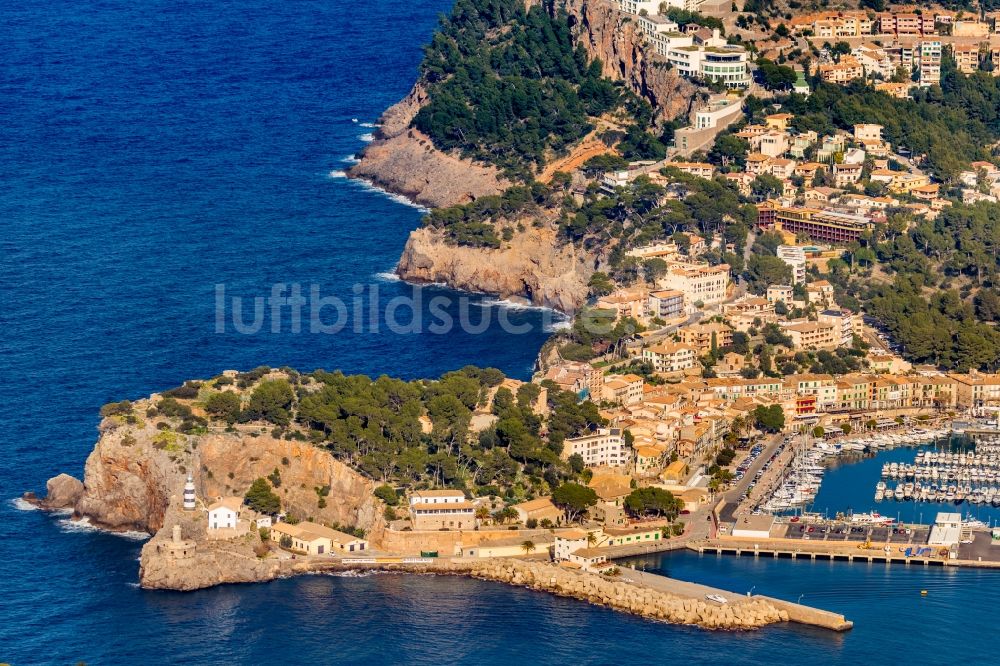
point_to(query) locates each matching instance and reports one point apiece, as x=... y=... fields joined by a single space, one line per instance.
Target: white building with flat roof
x=603 y=447
x=726 y=64
x=795 y=257
x=636 y=6
x=947 y=530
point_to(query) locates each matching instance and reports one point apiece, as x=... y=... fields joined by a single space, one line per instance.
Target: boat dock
x=786 y=551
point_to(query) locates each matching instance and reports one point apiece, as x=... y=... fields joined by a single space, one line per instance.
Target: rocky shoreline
x=533 y=265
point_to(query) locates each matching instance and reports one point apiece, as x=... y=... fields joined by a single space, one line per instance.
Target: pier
x=973 y=555
x=796 y=612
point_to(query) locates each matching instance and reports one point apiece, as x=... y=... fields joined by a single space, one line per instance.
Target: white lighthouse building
x=189 y=503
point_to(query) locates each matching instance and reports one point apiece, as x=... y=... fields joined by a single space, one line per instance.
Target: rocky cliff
x=611 y=37
x=134 y=480
x=532 y=266
x=404 y=161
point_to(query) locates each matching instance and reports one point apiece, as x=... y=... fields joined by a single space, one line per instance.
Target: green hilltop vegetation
x=374 y=425
x=507 y=87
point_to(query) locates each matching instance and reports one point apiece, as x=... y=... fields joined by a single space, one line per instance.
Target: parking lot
x=817 y=531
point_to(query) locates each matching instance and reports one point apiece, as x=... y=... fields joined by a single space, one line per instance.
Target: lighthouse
x=189 y=504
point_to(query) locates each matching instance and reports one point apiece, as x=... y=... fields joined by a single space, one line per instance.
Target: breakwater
x=646 y=595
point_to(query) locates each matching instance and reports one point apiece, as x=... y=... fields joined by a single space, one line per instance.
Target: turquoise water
x=152 y=150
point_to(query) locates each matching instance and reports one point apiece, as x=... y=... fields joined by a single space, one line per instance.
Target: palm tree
x=483 y=513
x=528 y=547
x=591 y=539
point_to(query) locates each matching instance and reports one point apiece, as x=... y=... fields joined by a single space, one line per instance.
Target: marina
x=935 y=501
x=802 y=479
x=946 y=476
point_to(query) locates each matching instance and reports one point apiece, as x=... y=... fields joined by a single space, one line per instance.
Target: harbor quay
x=946 y=543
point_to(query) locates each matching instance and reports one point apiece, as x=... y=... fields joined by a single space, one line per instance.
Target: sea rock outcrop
x=404 y=161
x=63 y=492
x=534 y=265
x=409 y=164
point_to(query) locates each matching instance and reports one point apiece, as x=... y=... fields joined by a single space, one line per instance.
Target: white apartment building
x=670 y=357
x=606 y=447
x=663 y=34
x=795 y=257
x=844 y=322
x=635 y=6
x=929 y=62
x=699 y=282
x=726 y=63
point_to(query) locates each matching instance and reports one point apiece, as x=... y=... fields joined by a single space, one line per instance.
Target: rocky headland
x=533 y=265
x=134 y=480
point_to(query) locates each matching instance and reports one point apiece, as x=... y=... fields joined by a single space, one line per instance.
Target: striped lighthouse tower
x=189 y=504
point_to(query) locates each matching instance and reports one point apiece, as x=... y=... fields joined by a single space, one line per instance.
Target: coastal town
x=723 y=371
x=758 y=288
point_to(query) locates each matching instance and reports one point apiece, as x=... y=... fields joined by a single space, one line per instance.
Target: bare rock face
x=404 y=161
x=128 y=480
x=611 y=36
x=533 y=266
x=409 y=164
x=134 y=480
x=62 y=492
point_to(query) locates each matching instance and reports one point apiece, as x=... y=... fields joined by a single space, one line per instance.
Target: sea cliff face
x=134 y=480
x=404 y=161
x=533 y=266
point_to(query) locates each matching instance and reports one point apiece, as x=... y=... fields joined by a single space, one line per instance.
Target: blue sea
x=159 y=160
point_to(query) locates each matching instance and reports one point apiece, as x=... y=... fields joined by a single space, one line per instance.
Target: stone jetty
x=622 y=595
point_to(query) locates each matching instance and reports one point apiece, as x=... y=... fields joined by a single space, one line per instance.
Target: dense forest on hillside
x=508 y=87
x=941 y=300
x=952 y=125
x=374 y=425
